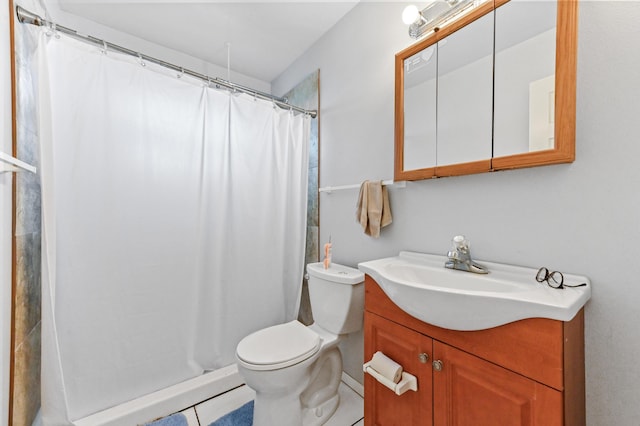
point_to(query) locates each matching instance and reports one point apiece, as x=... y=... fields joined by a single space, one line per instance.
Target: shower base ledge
x=167 y=401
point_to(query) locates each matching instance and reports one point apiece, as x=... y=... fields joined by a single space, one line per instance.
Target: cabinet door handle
x=423 y=357
x=437 y=365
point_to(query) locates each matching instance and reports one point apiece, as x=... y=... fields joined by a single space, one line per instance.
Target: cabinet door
x=382 y=407
x=471 y=391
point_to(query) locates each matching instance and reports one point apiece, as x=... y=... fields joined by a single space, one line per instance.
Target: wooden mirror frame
x=565 y=100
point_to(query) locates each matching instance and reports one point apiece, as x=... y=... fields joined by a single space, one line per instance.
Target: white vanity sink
x=422 y=287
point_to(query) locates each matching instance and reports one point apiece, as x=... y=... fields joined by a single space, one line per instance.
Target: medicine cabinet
x=492 y=90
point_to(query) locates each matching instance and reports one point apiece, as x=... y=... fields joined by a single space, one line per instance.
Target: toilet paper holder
x=406 y=383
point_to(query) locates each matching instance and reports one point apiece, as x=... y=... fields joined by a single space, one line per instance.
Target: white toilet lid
x=278 y=347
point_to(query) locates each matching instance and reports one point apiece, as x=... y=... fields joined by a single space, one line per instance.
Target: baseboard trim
x=353 y=384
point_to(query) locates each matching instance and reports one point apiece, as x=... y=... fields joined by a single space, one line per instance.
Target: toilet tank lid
x=336 y=273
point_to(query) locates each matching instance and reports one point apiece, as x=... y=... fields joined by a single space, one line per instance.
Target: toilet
x=294 y=369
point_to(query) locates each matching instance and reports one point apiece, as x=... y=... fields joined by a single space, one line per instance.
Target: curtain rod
x=27 y=17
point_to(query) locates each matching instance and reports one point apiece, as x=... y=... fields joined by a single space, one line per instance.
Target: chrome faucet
x=460 y=257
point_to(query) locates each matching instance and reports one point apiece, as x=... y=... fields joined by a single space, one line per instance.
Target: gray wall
x=582 y=217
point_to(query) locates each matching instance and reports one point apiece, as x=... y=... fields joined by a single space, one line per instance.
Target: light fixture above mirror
x=435 y=15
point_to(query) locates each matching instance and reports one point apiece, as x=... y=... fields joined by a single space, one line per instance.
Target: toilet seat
x=278 y=346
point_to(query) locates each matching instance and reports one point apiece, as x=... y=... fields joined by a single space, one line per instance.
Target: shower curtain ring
x=181 y=73
x=104 y=47
x=142 y=62
x=51 y=29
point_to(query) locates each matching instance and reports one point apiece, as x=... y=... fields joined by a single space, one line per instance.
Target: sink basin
x=422 y=287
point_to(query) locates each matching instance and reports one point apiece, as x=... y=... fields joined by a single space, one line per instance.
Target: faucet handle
x=460 y=242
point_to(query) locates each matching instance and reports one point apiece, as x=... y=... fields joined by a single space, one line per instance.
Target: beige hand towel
x=373 y=210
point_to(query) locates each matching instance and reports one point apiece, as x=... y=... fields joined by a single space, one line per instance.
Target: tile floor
x=349 y=413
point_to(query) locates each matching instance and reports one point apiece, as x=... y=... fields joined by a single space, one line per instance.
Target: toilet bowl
x=294 y=369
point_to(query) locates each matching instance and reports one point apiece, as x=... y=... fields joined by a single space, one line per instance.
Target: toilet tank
x=337 y=297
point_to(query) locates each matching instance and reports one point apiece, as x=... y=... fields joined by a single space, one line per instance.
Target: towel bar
x=330 y=189
x=14 y=165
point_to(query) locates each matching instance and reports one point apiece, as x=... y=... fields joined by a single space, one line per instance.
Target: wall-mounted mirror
x=465 y=77
x=492 y=90
x=524 y=86
x=420 y=112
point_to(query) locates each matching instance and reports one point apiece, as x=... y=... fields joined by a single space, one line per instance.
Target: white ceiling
x=265 y=37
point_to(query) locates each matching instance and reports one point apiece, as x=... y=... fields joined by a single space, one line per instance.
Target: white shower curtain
x=173 y=225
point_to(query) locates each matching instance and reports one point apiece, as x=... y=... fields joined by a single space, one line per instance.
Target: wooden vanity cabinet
x=529 y=372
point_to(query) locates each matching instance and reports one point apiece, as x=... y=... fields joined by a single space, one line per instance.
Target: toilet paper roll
x=386 y=367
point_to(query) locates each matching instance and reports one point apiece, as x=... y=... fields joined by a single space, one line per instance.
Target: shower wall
x=27 y=293
x=305 y=95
